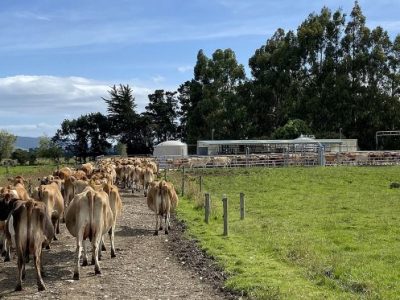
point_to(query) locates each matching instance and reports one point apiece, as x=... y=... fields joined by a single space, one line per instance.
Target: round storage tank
x=170 y=148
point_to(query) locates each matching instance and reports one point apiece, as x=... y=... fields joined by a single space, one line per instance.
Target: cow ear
x=39 y=179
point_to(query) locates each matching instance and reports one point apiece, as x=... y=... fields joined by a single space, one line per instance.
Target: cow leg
x=7 y=249
x=160 y=220
x=111 y=234
x=156 y=230
x=166 y=222
x=79 y=239
x=58 y=226
x=20 y=262
x=95 y=251
x=85 y=260
x=103 y=246
x=37 y=262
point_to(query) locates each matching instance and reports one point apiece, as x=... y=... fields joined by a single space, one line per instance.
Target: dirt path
x=146 y=266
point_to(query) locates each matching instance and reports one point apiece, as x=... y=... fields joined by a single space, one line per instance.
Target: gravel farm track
x=146 y=266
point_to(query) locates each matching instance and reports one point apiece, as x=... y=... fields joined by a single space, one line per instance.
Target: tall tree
x=212 y=96
x=276 y=86
x=126 y=124
x=162 y=112
x=49 y=149
x=85 y=136
x=7 y=141
x=121 y=108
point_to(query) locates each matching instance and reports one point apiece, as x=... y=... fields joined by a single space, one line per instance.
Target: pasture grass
x=28 y=172
x=309 y=233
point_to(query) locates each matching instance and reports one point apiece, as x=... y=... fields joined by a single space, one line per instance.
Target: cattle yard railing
x=359 y=158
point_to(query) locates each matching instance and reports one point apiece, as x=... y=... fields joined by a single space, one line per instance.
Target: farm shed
x=301 y=144
x=170 y=148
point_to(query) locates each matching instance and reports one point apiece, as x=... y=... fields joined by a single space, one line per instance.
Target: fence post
x=183 y=181
x=201 y=183
x=207 y=207
x=242 y=206
x=225 y=205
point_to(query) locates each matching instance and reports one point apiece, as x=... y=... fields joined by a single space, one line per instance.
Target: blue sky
x=58 y=58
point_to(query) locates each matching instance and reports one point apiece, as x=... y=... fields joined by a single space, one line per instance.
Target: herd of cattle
x=87 y=200
x=285 y=159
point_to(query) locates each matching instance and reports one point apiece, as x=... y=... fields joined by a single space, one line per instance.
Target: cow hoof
x=169 y=227
x=84 y=263
x=160 y=228
x=18 y=288
x=58 y=231
x=41 y=287
x=55 y=238
x=76 y=276
x=93 y=262
x=97 y=272
x=103 y=248
x=166 y=231
x=3 y=253
x=113 y=254
x=7 y=258
x=48 y=247
x=156 y=232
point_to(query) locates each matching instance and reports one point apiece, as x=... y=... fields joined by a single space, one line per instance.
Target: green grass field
x=309 y=233
x=28 y=172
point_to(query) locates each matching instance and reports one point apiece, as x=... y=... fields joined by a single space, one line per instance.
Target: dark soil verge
x=190 y=254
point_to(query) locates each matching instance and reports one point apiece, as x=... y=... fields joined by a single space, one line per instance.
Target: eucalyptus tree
x=210 y=100
x=162 y=112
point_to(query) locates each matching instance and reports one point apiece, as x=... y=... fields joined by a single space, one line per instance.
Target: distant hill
x=26 y=143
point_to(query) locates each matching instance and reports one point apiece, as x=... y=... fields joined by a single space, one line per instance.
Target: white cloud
x=158 y=79
x=184 y=69
x=31 y=105
x=31 y=15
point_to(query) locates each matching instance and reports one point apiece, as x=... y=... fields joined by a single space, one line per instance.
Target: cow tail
x=29 y=209
x=90 y=196
x=161 y=208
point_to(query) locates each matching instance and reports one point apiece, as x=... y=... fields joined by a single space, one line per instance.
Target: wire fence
x=358 y=158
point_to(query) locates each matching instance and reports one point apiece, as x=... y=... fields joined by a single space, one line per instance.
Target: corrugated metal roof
x=170 y=143
x=260 y=142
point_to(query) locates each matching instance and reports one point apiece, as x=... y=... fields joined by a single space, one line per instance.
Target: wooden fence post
x=225 y=205
x=207 y=206
x=242 y=206
x=201 y=183
x=183 y=181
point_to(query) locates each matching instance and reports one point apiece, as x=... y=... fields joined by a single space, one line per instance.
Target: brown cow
x=72 y=186
x=116 y=208
x=87 y=168
x=33 y=230
x=148 y=177
x=160 y=198
x=63 y=173
x=50 y=195
x=89 y=215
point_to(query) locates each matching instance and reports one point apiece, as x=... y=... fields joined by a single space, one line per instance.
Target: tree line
x=332 y=76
